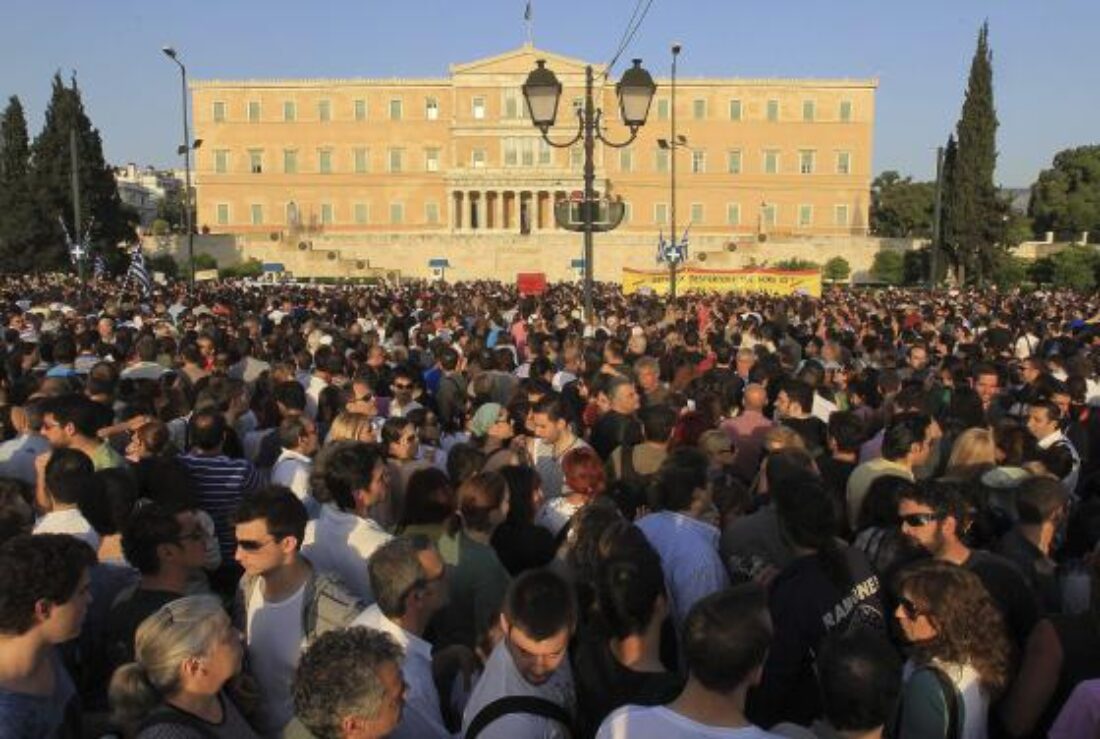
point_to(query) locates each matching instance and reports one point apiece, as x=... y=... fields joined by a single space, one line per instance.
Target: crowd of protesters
x=437 y=510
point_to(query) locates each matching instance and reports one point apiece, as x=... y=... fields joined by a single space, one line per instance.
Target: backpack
x=951 y=699
x=165 y=714
x=519 y=704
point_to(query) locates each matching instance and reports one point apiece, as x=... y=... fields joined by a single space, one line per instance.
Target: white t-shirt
x=292 y=471
x=658 y=722
x=556 y=513
x=340 y=543
x=69 y=521
x=275 y=641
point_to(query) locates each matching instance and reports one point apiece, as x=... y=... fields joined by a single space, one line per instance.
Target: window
x=771 y=162
x=840 y=215
x=806 y=161
x=527 y=152
x=660 y=213
x=431 y=213
x=291 y=213
x=733 y=161
x=696 y=214
x=223 y=214
x=290 y=111
x=661 y=162
x=576 y=157
x=219 y=111
x=698 y=162
x=845 y=111
x=360 y=110
x=431 y=109
x=511 y=152
x=733 y=214
x=578 y=105
x=256 y=212
x=324 y=161
x=324 y=111
x=662 y=109
x=431 y=160
x=397 y=213
x=362 y=215
x=256 y=161
x=628 y=213
x=479 y=108
x=843 y=162
x=361 y=160
x=809 y=109
x=221 y=161
x=735 y=110
x=805 y=215
x=253 y=111
x=699 y=109
x=396 y=109
x=546 y=154
x=769 y=214
x=477 y=159
x=326 y=214
x=513 y=103
x=626 y=160
x=290 y=161
x=773 y=110
x=396 y=160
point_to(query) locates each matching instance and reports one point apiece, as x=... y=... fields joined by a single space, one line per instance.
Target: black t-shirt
x=523 y=547
x=813 y=431
x=835 y=474
x=612 y=430
x=126 y=616
x=1009 y=590
x=1036 y=568
x=603 y=684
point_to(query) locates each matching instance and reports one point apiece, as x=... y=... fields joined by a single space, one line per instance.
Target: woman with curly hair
x=960 y=655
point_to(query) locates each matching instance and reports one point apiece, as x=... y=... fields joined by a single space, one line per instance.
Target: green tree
x=112 y=222
x=1041 y=271
x=888 y=267
x=249 y=268
x=1075 y=268
x=21 y=227
x=916 y=266
x=976 y=217
x=1066 y=198
x=837 y=269
x=1009 y=271
x=901 y=208
x=795 y=263
x=948 y=245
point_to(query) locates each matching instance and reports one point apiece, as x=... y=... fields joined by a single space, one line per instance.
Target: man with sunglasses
x=935 y=517
x=404 y=387
x=282 y=603
x=408 y=578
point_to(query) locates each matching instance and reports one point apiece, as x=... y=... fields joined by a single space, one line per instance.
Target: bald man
x=747 y=430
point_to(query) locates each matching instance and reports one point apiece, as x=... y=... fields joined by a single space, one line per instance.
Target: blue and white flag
x=682 y=247
x=662 y=247
x=99 y=267
x=138 y=272
x=527 y=12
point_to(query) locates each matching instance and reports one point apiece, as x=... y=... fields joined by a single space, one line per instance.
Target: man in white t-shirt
x=553 y=439
x=282 y=602
x=298 y=440
x=725 y=641
x=530 y=662
x=67 y=475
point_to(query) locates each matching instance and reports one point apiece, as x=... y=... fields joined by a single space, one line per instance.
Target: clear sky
x=1045 y=73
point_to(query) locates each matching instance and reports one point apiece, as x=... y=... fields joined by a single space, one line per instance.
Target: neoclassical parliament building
x=457 y=156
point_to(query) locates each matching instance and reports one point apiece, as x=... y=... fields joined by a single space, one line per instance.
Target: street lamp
x=185 y=149
x=671 y=144
x=542 y=91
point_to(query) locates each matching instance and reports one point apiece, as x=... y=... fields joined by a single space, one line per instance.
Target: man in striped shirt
x=220 y=484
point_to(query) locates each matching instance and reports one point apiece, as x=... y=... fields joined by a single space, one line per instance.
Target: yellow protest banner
x=752 y=280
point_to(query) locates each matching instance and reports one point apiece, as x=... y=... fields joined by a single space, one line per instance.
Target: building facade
x=763 y=159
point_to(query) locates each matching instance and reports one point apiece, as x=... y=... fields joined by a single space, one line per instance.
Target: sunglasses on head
x=915 y=520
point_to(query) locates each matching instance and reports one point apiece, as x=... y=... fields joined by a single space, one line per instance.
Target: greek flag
x=527 y=12
x=682 y=248
x=138 y=272
x=99 y=267
x=662 y=247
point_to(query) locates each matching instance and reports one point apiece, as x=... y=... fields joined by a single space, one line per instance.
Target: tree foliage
x=888 y=267
x=1066 y=198
x=837 y=269
x=1075 y=267
x=20 y=226
x=901 y=208
x=795 y=263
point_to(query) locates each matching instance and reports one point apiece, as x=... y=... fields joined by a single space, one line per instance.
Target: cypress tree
x=20 y=227
x=976 y=214
x=948 y=238
x=101 y=206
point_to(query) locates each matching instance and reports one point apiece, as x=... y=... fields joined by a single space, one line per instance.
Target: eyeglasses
x=402 y=386
x=916 y=520
x=422 y=583
x=912 y=610
x=253 y=546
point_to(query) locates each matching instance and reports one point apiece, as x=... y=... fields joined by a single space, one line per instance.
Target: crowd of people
x=451 y=510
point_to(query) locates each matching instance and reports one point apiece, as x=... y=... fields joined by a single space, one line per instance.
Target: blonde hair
x=351 y=427
x=974 y=452
x=178 y=631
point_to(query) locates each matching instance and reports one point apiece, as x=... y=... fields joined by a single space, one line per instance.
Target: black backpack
x=519 y=704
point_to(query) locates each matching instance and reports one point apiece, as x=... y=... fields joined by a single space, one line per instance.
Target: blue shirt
x=24 y=716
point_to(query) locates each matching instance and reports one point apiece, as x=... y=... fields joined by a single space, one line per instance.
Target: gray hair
x=395 y=572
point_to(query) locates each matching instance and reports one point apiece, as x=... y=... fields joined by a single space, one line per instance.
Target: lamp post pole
x=589 y=125
x=187 y=213
x=674 y=143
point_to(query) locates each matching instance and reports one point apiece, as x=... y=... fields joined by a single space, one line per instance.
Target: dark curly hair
x=38 y=567
x=338 y=676
x=955 y=600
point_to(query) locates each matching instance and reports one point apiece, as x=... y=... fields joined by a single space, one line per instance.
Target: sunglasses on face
x=252 y=546
x=911 y=610
x=916 y=520
x=402 y=386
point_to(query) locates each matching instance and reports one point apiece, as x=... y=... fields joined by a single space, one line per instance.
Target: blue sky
x=1045 y=77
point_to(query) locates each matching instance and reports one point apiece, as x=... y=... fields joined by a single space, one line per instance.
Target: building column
x=498 y=211
x=516 y=197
